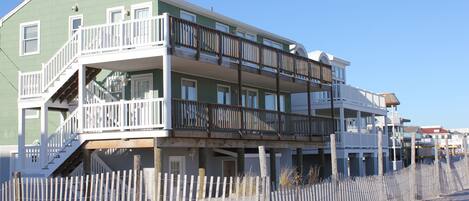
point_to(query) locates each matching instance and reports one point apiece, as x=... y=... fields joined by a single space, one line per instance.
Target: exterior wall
x=5 y=159
x=206 y=88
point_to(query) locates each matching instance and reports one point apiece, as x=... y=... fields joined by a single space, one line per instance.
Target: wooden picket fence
x=136 y=186
x=422 y=183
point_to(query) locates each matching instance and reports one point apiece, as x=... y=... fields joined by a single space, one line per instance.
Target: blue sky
x=417 y=49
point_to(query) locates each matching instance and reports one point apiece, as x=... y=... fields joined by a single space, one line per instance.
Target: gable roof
x=433 y=130
x=391 y=99
x=16 y=9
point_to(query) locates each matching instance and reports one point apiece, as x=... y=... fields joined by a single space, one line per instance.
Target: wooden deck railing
x=227 y=118
x=210 y=41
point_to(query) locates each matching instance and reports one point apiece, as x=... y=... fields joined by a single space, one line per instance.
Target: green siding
x=206 y=88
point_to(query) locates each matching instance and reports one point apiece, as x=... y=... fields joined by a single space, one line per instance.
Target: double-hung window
x=250 y=98
x=74 y=23
x=271 y=102
x=30 y=38
x=189 y=89
x=222 y=27
x=223 y=95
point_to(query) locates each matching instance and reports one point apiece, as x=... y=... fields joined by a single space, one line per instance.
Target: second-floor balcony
x=347 y=95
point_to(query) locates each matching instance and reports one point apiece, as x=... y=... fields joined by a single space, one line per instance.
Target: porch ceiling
x=225 y=72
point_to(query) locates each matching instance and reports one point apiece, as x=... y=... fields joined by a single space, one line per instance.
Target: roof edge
x=12 y=12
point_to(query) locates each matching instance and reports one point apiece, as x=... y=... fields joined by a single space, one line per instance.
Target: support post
x=333 y=158
x=43 y=156
x=308 y=89
x=86 y=161
x=21 y=138
x=240 y=162
x=299 y=162
x=137 y=168
x=322 y=159
x=342 y=120
x=436 y=163
x=81 y=96
x=157 y=167
x=380 y=155
x=240 y=85
x=277 y=87
x=273 y=166
x=202 y=170
x=167 y=96
x=262 y=162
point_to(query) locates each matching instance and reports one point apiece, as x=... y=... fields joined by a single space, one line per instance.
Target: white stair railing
x=98 y=166
x=100 y=92
x=65 y=133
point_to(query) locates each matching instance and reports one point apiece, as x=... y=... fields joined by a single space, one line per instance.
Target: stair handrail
x=66 y=55
x=93 y=85
x=63 y=135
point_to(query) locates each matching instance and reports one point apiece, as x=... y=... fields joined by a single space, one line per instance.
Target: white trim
x=196 y=90
x=70 y=24
x=188 y=13
x=113 y=9
x=12 y=12
x=134 y=7
x=146 y=76
x=252 y=90
x=22 y=25
x=229 y=92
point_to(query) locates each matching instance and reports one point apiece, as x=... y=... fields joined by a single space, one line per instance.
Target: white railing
x=98 y=166
x=94 y=40
x=61 y=60
x=121 y=115
x=352 y=95
x=65 y=133
x=100 y=92
x=358 y=139
x=30 y=84
x=32 y=157
x=123 y=35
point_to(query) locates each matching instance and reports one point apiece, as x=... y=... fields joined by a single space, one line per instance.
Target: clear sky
x=417 y=49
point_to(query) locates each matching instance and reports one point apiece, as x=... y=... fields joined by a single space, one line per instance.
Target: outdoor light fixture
x=75 y=8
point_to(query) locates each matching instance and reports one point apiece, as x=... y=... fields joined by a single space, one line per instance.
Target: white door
x=142 y=86
x=141 y=113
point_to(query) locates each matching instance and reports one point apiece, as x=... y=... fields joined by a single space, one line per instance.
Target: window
x=30 y=38
x=271 y=102
x=247 y=35
x=142 y=86
x=272 y=43
x=189 y=89
x=177 y=165
x=223 y=95
x=188 y=16
x=114 y=15
x=141 y=11
x=222 y=27
x=249 y=98
x=74 y=23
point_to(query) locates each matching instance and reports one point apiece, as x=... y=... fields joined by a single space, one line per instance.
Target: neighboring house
x=163 y=79
x=356 y=112
x=395 y=124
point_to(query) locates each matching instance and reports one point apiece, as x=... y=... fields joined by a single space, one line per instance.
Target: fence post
x=413 y=181
x=437 y=168
x=262 y=162
x=137 y=168
x=17 y=186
